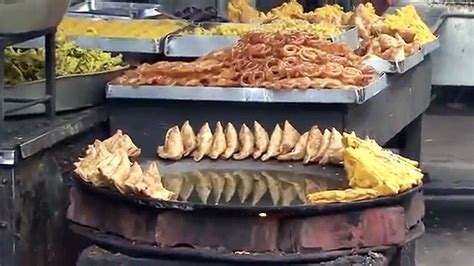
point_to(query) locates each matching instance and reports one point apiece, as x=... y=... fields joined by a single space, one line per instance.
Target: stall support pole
x=50 y=47
x=412 y=139
x=2 y=84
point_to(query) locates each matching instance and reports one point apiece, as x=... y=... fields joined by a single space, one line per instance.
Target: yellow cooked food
x=372 y=172
x=119 y=28
x=407 y=18
x=282 y=25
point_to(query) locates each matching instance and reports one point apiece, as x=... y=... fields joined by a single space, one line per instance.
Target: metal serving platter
x=126 y=45
x=428 y=48
x=292 y=181
x=118 y=9
x=179 y=44
x=73 y=92
x=244 y=94
x=400 y=67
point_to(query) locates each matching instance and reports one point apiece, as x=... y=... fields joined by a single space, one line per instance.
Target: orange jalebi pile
x=269 y=60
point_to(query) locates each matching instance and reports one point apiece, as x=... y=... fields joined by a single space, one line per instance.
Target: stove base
x=95 y=256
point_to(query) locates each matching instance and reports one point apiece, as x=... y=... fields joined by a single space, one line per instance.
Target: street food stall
x=253 y=137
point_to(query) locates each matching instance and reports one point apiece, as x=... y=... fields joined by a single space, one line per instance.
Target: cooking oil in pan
x=243 y=187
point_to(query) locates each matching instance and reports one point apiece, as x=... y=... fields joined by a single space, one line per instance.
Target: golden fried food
x=232 y=141
x=335 y=151
x=218 y=185
x=230 y=186
x=247 y=142
x=274 y=144
x=325 y=141
x=173 y=183
x=289 y=139
x=298 y=151
x=314 y=142
x=119 y=28
x=87 y=168
x=152 y=186
x=120 y=141
x=269 y=60
x=204 y=143
x=189 y=138
x=116 y=169
x=273 y=187
x=261 y=140
x=203 y=185
x=245 y=187
x=219 y=143
x=372 y=172
x=260 y=188
x=173 y=149
x=186 y=189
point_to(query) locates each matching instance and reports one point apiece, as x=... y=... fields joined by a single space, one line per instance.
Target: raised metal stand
x=49 y=98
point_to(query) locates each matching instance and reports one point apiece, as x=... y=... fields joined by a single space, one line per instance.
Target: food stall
x=291 y=201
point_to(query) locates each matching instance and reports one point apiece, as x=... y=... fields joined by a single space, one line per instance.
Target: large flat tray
x=116 y=9
x=240 y=94
x=395 y=67
x=332 y=176
x=182 y=45
x=72 y=92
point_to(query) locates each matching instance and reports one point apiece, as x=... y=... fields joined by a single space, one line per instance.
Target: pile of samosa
x=285 y=144
x=107 y=164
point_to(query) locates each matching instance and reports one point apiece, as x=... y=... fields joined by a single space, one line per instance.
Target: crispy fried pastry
x=204 y=143
x=189 y=138
x=289 y=139
x=247 y=141
x=274 y=144
x=312 y=146
x=173 y=149
x=232 y=141
x=298 y=152
x=262 y=140
x=219 y=143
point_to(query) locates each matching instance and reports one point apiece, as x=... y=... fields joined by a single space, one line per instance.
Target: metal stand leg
x=50 y=47
x=2 y=84
x=412 y=139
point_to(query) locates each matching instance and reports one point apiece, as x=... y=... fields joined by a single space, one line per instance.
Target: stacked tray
x=73 y=92
x=180 y=44
x=245 y=94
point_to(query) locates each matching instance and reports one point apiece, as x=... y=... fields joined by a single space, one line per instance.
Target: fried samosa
x=274 y=145
x=189 y=138
x=173 y=149
x=312 y=147
x=261 y=140
x=173 y=183
x=298 y=152
x=123 y=142
x=152 y=185
x=288 y=194
x=335 y=150
x=219 y=144
x=325 y=141
x=289 y=139
x=247 y=141
x=135 y=176
x=232 y=141
x=204 y=143
x=187 y=188
x=116 y=169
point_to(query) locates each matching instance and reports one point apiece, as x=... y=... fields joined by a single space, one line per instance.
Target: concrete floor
x=448 y=155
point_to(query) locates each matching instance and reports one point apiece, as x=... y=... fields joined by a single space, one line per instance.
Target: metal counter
x=395 y=110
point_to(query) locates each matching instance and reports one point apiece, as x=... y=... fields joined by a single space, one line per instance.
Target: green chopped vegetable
x=29 y=65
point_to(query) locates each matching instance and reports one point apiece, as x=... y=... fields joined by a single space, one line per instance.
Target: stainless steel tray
x=72 y=92
x=118 y=9
x=182 y=45
x=400 y=67
x=428 y=48
x=248 y=94
x=119 y=45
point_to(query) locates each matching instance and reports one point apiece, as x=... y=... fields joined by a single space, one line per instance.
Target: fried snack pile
x=29 y=65
x=107 y=164
x=372 y=172
x=243 y=186
x=285 y=144
x=241 y=11
x=276 y=25
x=381 y=38
x=333 y=14
x=119 y=28
x=275 y=61
x=407 y=18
